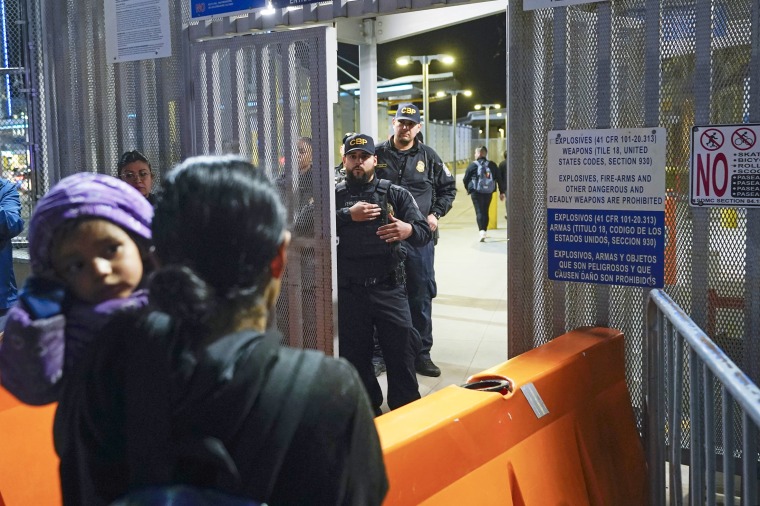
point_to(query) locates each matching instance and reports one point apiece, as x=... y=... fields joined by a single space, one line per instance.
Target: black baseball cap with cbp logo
x=359 y=142
x=409 y=112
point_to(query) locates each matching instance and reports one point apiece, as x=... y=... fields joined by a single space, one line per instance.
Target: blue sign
x=211 y=8
x=606 y=206
x=608 y=247
x=219 y=8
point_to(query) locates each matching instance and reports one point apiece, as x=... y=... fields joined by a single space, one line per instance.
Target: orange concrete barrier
x=574 y=443
x=28 y=462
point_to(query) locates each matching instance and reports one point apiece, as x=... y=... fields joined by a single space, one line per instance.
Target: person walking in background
x=409 y=163
x=503 y=178
x=136 y=170
x=340 y=170
x=373 y=217
x=11 y=225
x=198 y=393
x=481 y=180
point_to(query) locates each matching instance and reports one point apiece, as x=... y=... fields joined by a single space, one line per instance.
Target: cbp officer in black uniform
x=407 y=162
x=373 y=218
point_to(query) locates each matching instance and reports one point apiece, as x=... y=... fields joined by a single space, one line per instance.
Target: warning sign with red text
x=725 y=166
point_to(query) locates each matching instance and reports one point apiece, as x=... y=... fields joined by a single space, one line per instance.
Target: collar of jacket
x=364 y=188
x=415 y=147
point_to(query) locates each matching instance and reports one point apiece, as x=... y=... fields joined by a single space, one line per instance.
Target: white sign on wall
x=530 y=5
x=605 y=199
x=725 y=166
x=137 y=30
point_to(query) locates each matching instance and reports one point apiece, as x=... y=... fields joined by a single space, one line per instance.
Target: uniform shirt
x=421 y=171
x=353 y=258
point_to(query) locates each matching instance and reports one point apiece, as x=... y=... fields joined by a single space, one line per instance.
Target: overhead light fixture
x=269 y=9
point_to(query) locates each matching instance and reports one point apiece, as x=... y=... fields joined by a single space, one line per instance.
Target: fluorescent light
x=396 y=87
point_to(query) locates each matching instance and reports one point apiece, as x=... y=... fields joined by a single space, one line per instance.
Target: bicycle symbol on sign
x=743 y=138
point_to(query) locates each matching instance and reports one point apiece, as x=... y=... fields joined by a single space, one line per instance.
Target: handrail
x=669 y=328
x=742 y=388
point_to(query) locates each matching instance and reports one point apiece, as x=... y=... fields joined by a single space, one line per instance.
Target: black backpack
x=484 y=180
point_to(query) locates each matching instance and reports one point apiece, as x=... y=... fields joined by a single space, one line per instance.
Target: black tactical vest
x=359 y=240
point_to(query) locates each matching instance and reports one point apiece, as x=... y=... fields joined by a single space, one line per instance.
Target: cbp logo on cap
x=359 y=142
x=408 y=112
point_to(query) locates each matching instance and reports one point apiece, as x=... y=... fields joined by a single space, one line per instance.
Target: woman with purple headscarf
x=88 y=246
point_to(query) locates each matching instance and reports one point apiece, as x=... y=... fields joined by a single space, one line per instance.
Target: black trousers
x=481 y=201
x=361 y=310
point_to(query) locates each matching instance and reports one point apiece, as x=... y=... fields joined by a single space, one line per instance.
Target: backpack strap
x=147 y=406
x=280 y=410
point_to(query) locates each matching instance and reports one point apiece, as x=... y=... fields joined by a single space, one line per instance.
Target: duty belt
x=382 y=280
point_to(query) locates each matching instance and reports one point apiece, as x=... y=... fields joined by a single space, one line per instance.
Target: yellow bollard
x=493 y=211
x=729 y=217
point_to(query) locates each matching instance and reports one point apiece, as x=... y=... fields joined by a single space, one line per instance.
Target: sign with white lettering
x=137 y=30
x=606 y=206
x=530 y=5
x=725 y=166
x=203 y=9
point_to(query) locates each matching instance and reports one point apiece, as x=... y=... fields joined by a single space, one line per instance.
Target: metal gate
x=266 y=97
x=252 y=94
x=625 y=64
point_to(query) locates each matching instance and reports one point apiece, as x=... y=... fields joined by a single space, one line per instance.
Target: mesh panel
x=259 y=96
x=92 y=111
x=584 y=67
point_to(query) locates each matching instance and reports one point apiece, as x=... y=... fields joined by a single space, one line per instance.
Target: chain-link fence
x=627 y=64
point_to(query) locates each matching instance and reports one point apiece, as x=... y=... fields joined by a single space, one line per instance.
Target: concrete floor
x=470 y=311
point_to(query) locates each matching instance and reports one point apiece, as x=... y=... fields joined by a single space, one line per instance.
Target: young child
x=89 y=239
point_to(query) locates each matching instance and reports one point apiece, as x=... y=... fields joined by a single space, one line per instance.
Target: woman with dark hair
x=198 y=392
x=136 y=170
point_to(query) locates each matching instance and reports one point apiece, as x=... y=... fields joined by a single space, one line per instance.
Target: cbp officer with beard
x=373 y=217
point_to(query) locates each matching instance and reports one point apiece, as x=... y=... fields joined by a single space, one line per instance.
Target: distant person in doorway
x=503 y=177
x=340 y=170
x=135 y=169
x=407 y=162
x=481 y=180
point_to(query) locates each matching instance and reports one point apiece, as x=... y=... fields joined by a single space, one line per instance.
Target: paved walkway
x=470 y=311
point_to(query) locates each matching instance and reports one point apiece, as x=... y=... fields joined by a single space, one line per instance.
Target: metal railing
x=685 y=365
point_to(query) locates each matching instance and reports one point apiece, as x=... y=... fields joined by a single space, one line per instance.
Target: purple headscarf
x=85 y=194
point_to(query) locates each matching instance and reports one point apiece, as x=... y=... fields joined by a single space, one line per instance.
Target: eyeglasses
x=134 y=176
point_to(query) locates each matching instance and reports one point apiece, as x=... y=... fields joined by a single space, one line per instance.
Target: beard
x=365 y=177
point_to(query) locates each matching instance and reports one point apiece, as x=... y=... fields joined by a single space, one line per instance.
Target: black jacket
x=334 y=456
x=421 y=171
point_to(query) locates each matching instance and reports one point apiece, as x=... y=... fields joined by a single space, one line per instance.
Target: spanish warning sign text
x=606 y=206
x=725 y=166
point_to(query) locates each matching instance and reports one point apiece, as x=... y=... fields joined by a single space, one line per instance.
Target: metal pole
x=454 y=131
x=425 y=64
x=488 y=108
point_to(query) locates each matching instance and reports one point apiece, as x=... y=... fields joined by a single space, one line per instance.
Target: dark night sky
x=479 y=48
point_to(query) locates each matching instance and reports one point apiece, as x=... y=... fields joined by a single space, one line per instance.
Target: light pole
x=454 y=94
x=487 y=108
x=425 y=61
